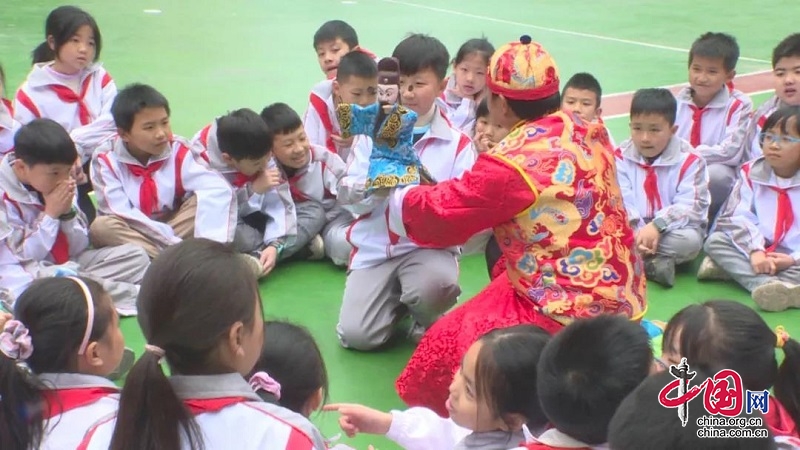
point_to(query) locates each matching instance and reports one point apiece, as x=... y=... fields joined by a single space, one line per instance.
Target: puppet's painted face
x=388 y=93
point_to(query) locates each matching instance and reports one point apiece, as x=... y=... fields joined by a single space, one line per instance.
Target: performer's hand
x=342 y=143
x=354 y=419
x=782 y=261
x=269 y=257
x=762 y=264
x=647 y=239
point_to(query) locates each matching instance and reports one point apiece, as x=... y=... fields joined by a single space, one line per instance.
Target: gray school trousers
x=720 y=184
x=424 y=281
x=720 y=248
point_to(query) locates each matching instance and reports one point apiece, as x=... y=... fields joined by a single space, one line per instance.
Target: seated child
x=724 y=334
x=585 y=372
x=487 y=132
x=466 y=86
x=712 y=115
x=313 y=174
x=581 y=95
x=66 y=332
x=8 y=124
x=664 y=187
x=151 y=191
x=641 y=422
x=238 y=146
x=356 y=82
x=786 y=71
x=493 y=400
x=387 y=271
x=48 y=231
x=333 y=40
x=755 y=239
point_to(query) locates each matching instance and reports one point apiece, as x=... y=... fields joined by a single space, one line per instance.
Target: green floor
x=211 y=56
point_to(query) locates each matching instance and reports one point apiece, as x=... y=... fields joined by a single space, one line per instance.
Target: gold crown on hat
x=523 y=70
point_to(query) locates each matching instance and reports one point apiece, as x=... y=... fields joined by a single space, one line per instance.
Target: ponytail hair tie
x=782 y=336
x=15 y=342
x=261 y=381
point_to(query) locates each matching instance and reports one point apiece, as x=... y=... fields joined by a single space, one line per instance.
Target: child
x=641 y=422
x=664 y=187
x=70 y=87
x=239 y=147
x=200 y=312
x=332 y=41
x=150 y=189
x=8 y=124
x=585 y=372
x=481 y=121
x=723 y=334
x=712 y=115
x=465 y=88
x=786 y=71
x=387 y=271
x=493 y=400
x=581 y=95
x=488 y=132
x=755 y=239
x=356 y=82
x=313 y=174
x=48 y=231
x=66 y=332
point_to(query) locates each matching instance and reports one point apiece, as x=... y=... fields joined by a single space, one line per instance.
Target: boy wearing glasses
x=756 y=238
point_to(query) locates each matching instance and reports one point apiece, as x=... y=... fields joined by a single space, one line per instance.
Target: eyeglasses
x=770 y=138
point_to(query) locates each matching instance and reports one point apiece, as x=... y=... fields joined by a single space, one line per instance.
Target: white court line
x=622 y=94
x=619 y=116
x=556 y=30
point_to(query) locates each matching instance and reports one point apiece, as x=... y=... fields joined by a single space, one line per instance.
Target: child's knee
x=104 y=229
x=432 y=295
x=355 y=335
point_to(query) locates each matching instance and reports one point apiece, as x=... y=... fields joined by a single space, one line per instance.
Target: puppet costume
x=549 y=190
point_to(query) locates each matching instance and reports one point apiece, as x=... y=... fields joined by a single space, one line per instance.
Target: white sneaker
x=777 y=296
x=317 y=248
x=254 y=264
x=709 y=270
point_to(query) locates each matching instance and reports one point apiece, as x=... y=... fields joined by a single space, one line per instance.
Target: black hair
x=420 y=52
x=585 y=82
x=533 y=109
x=658 y=101
x=787 y=48
x=131 y=100
x=587 y=369
x=62 y=23
x=356 y=64
x=780 y=119
x=723 y=334
x=44 y=141
x=242 y=134
x=189 y=298
x=481 y=46
x=505 y=373
x=482 y=111
x=281 y=118
x=718 y=46
x=336 y=29
x=54 y=311
x=292 y=357
x=641 y=422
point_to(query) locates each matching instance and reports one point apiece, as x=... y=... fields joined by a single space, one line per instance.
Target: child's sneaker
x=660 y=269
x=316 y=248
x=776 y=295
x=125 y=364
x=254 y=264
x=416 y=332
x=709 y=270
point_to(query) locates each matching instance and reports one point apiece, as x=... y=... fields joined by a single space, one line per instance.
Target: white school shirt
x=181 y=175
x=682 y=186
x=33 y=234
x=422 y=429
x=320 y=120
x=444 y=150
x=36 y=98
x=723 y=125
x=460 y=111
x=246 y=423
x=318 y=180
x=750 y=216
x=8 y=126
x=752 y=143
x=276 y=203
x=84 y=400
x=555 y=439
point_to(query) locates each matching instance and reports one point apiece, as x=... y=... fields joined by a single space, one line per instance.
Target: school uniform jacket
x=553 y=439
x=276 y=203
x=444 y=150
x=716 y=131
x=459 y=110
x=674 y=187
x=423 y=429
x=320 y=119
x=318 y=180
x=73 y=403
x=176 y=175
x=8 y=126
x=230 y=416
x=36 y=239
x=86 y=115
x=752 y=143
x=760 y=213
